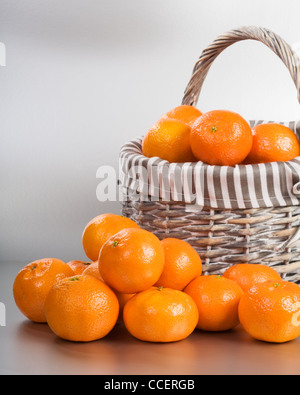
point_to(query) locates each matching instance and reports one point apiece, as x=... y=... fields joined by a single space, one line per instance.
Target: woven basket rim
x=156 y=161
x=229 y=187
x=136 y=153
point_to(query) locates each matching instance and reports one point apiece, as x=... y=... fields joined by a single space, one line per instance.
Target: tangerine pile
x=218 y=137
x=156 y=289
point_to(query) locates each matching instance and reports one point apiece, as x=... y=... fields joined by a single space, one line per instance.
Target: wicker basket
x=241 y=214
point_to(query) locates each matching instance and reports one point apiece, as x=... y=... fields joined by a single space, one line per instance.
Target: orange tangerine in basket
x=183 y=113
x=169 y=139
x=221 y=138
x=273 y=143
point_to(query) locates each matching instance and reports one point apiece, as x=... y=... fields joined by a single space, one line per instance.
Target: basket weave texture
x=264 y=232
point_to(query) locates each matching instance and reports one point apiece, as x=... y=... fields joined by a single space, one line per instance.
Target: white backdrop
x=84 y=76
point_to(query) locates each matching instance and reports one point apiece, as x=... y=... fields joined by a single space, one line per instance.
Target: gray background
x=83 y=77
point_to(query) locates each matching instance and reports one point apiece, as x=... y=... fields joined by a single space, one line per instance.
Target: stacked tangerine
x=155 y=288
x=218 y=137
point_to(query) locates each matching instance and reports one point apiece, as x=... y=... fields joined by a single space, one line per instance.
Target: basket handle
x=270 y=39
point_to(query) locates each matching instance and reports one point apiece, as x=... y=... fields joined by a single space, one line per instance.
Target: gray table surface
x=30 y=349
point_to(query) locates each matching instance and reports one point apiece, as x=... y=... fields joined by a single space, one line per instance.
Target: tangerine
x=78 y=267
x=182 y=264
x=273 y=143
x=81 y=309
x=248 y=274
x=93 y=270
x=160 y=315
x=222 y=138
x=270 y=311
x=184 y=113
x=123 y=299
x=100 y=229
x=217 y=299
x=33 y=283
x=169 y=139
x=131 y=261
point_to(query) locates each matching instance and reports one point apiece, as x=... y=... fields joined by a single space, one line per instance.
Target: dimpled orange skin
x=100 y=229
x=160 y=315
x=123 y=299
x=270 y=311
x=273 y=143
x=93 y=270
x=169 y=139
x=217 y=299
x=34 y=281
x=247 y=274
x=131 y=261
x=182 y=264
x=78 y=267
x=81 y=309
x=221 y=138
x=183 y=113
